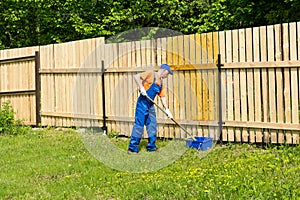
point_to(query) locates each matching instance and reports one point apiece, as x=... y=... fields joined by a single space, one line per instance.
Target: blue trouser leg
x=135 y=138
x=138 y=129
x=151 y=125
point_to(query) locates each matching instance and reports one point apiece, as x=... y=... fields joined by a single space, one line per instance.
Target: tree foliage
x=38 y=22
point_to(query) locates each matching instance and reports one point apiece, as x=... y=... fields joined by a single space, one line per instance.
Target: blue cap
x=167 y=67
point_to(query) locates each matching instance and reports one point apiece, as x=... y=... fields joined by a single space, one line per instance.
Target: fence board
x=210 y=47
x=188 y=80
x=271 y=83
x=250 y=82
x=257 y=84
x=279 y=82
x=294 y=81
x=243 y=83
x=235 y=45
x=47 y=62
x=161 y=47
x=264 y=78
x=181 y=100
x=296 y=136
x=167 y=57
x=287 y=80
x=230 y=98
x=215 y=46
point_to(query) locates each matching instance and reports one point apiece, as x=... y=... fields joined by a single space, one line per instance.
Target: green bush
x=8 y=124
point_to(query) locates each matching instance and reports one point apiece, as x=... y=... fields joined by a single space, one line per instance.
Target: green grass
x=56 y=165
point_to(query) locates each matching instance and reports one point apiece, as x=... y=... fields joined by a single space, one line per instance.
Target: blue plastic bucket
x=201 y=143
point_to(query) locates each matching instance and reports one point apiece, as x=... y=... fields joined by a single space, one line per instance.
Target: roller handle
x=171 y=118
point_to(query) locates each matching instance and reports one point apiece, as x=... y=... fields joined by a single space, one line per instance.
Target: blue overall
x=145 y=115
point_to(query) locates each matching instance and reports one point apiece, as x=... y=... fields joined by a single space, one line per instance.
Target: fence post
x=104 y=127
x=37 y=88
x=220 y=123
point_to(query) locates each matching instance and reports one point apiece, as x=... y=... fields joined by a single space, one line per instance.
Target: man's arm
x=164 y=103
x=139 y=82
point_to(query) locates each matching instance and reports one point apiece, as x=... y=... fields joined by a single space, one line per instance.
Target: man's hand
x=143 y=91
x=169 y=114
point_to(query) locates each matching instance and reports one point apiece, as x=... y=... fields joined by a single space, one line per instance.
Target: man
x=150 y=84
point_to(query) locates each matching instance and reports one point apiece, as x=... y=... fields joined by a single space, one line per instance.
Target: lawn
x=54 y=164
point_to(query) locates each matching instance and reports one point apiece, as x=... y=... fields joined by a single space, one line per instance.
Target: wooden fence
x=260 y=83
x=18 y=82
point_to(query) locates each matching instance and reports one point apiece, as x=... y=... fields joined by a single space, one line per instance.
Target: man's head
x=165 y=70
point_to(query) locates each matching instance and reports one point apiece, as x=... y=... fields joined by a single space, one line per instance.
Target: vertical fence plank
x=205 y=80
x=237 y=83
x=279 y=82
x=57 y=82
x=45 y=101
x=134 y=61
x=2 y=78
x=79 y=84
x=182 y=82
x=159 y=51
x=211 y=82
x=204 y=87
x=171 y=47
x=15 y=86
x=230 y=83
x=32 y=98
x=272 y=83
x=64 y=92
x=93 y=82
x=257 y=83
x=215 y=104
x=158 y=55
x=165 y=46
x=69 y=86
x=77 y=80
x=205 y=84
x=188 y=80
x=51 y=86
x=272 y=89
x=250 y=82
x=264 y=78
x=115 y=84
x=11 y=83
x=215 y=43
x=243 y=83
x=31 y=77
x=128 y=92
x=119 y=90
x=192 y=61
x=294 y=81
x=296 y=137
x=287 y=81
x=198 y=57
x=235 y=45
x=108 y=60
x=97 y=93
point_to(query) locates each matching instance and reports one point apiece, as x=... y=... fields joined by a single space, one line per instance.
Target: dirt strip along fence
x=260 y=83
